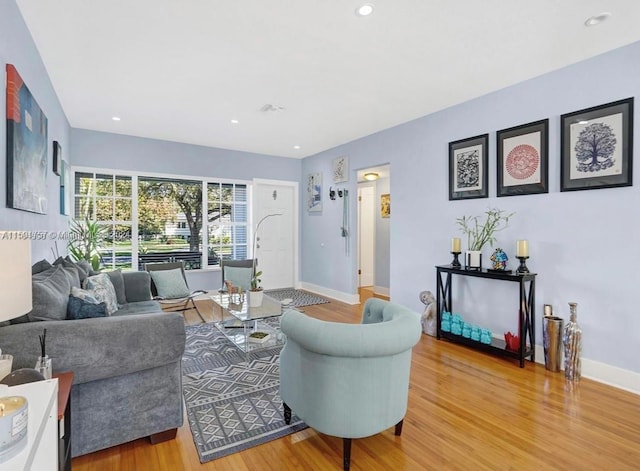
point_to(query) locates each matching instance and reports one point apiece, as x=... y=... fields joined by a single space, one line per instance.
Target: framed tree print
x=523 y=159
x=468 y=164
x=597 y=147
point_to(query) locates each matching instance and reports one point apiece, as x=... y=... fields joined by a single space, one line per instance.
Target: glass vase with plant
x=481 y=232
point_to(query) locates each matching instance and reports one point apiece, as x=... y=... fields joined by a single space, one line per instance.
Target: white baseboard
x=382 y=290
x=330 y=293
x=603 y=373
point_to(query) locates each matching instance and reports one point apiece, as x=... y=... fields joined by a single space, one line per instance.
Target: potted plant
x=481 y=232
x=255 y=293
x=86 y=239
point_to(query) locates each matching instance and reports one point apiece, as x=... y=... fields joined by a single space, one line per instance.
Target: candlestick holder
x=522 y=269
x=455 y=263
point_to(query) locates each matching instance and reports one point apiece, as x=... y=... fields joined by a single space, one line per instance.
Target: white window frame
x=135 y=175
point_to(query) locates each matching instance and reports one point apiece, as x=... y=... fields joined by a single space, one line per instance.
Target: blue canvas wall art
x=27 y=161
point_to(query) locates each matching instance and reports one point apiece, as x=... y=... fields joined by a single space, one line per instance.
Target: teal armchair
x=349 y=380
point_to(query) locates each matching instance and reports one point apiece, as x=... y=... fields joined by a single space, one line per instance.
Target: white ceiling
x=180 y=70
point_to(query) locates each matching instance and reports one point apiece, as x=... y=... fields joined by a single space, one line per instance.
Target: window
x=107 y=199
x=227 y=221
x=157 y=219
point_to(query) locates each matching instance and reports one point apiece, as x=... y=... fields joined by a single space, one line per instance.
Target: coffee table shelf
x=238 y=321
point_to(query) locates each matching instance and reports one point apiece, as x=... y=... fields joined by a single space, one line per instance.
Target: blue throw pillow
x=78 y=308
x=239 y=276
x=170 y=284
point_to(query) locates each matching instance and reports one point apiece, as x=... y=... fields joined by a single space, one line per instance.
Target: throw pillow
x=50 y=295
x=118 y=283
x=79 y=308
x=170 y=284
x=40 y=266
x=84 y=295
x=86 y=266
x=102 y=289
x=239 y=276
x=83 y=267
x=70 y=270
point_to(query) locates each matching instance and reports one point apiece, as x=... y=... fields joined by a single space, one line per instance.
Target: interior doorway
x=374 y=225
x=366 y=231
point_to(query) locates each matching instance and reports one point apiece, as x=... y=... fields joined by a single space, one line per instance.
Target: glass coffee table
x=248 y=327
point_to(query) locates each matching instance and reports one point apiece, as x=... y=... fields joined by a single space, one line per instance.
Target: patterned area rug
x=232 y=403
x=300 y=298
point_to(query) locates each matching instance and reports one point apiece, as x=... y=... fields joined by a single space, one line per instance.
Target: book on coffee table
x=259 y=337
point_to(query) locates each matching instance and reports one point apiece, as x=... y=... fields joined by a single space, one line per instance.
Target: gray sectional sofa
x=127 y=366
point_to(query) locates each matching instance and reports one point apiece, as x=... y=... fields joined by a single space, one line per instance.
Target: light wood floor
x=467 y=410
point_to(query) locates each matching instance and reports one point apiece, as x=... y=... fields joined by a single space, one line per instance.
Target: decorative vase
x=473 y=260
x=499 y=260
x=255 y=298
x=551 y=340
x=572 y=339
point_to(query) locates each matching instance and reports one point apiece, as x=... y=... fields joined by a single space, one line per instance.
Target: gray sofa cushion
x=140 y=307
x=137 y=286
x=118 y=284
x=51 y=290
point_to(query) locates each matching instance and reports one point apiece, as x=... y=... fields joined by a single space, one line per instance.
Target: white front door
x=276 y=239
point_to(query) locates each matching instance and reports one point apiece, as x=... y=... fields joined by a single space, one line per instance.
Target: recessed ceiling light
x=364 y=10
x=234 y=121
x=597 y=19
x=115 y=118
x=296 y=147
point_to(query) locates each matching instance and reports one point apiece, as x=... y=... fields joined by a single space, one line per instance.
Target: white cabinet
x=41 y=452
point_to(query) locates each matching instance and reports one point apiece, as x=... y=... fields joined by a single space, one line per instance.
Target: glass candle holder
x=43 y=365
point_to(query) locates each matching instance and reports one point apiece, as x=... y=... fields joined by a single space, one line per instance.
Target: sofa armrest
x=101 y=347
x=137 y=286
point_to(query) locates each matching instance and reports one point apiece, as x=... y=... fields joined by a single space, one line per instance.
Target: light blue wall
x=118 y=151
x=17 y=48
x=583 y=244
x=383 y=230
x=136 y=154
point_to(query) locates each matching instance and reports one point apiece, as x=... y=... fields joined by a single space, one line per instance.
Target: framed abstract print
x=468 y=165
x=27 y=160
x=523 y=159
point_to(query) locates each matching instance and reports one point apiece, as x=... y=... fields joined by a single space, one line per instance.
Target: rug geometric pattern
x=232 y=399
x=299 y=297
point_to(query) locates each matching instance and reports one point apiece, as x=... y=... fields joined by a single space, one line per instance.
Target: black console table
x=526 y=331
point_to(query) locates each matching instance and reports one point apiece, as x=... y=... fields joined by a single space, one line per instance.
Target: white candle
x=522 y=248
x=455 y=245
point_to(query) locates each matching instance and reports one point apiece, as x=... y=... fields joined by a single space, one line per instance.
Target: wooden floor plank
x=467 y=410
